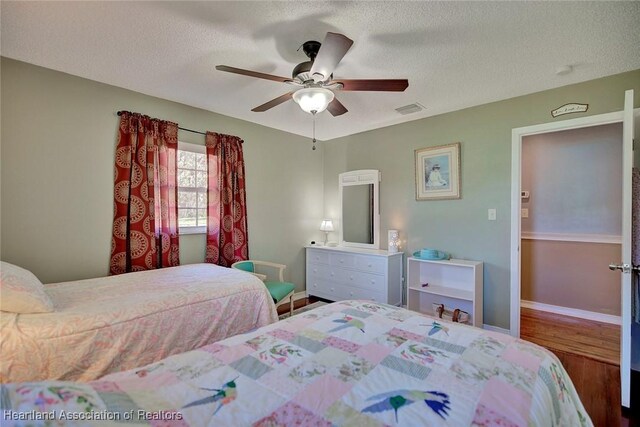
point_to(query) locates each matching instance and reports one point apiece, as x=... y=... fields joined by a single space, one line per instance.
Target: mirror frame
x=362 y=177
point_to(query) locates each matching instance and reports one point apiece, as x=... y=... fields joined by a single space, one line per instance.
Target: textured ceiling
x=455 y=54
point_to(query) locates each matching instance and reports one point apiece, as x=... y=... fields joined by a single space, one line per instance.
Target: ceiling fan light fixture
x=313 y=100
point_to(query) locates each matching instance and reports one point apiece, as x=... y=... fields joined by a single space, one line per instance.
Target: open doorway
x=588 y=374
x=571 y=213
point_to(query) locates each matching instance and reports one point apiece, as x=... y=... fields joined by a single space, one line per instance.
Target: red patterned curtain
x=145 y=220
x=227 y=239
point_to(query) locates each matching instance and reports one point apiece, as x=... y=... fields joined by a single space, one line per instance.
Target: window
x=192 y=188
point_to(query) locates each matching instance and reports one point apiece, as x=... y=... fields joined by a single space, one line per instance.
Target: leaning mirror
x=359 y=209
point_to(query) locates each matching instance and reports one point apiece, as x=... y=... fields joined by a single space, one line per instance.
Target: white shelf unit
x=456 y=283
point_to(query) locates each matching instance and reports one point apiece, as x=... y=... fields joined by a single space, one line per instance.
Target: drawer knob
x=351 y=277
x=369 y=265
x=341 y=260
x=332 y=289
x=373 y=282
x=332 y=274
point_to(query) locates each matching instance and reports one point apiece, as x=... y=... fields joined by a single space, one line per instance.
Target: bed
x=348 y=363
x=105 y=325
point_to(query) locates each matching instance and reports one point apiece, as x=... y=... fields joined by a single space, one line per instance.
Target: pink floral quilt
x=353 y=363
x=115 y=323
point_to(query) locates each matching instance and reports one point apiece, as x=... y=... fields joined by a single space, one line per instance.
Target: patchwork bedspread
x=116 y=323
x=348 y=363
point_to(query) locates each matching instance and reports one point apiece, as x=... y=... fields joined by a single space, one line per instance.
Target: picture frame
x=438 y=172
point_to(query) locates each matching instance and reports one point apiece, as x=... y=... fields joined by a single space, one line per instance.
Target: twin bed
x=348 y=363
x=111 y=324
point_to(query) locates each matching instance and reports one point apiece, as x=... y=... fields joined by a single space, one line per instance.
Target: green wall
x=56 y=171
x=461 y=226
x=57 y=159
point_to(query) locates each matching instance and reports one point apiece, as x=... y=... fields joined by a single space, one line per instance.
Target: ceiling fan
x=314 y=78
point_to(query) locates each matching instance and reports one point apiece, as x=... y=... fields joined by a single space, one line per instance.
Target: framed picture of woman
x=438 y=172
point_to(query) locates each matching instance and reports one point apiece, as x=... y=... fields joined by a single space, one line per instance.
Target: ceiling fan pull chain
x=314 y=131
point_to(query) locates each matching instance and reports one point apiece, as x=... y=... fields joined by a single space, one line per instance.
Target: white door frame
x=516 y=183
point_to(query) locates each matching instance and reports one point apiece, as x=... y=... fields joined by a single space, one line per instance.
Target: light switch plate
x=492 y=214
x=524 y=213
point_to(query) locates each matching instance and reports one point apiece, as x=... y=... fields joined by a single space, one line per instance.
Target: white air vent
x=410 y=109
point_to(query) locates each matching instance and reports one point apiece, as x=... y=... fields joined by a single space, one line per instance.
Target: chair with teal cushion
x=281 y=291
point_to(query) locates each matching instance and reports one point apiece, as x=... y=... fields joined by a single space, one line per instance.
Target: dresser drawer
x=350 y=292
x=325 y=272
x=371 y=264
x=342 y=260
x=317 y=270
x=318 y=257
x=362 y=280
x=324 y=289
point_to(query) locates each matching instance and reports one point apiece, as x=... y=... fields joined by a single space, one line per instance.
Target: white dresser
x=340 y=273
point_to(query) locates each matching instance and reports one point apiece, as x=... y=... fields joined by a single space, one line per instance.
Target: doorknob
x=625 y=268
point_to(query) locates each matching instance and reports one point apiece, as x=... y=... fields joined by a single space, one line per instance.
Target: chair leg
x=291 y=305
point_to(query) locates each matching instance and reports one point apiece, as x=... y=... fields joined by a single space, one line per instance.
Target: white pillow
x=21 y=291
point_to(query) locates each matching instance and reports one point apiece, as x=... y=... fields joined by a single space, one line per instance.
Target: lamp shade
x=327 y=225
x=313 y=99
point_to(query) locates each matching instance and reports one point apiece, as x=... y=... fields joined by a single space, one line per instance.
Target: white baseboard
x=573 y=312
x=299 y=295
x=496 y=329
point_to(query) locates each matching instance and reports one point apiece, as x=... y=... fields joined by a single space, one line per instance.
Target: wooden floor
x=598 y=385
x=595 y=340
x=297 y=304
x=590 y=353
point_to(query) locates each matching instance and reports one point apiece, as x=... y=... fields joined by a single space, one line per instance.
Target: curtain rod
x=181 y=128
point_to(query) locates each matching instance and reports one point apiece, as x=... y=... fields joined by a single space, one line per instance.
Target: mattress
x=116 y=323
x=349 y=363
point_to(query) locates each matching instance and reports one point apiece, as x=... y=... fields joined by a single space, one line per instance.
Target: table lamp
x=326 y=226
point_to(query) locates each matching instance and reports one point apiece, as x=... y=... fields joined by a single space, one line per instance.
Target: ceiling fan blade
x=252 y=73
x=336 y=108
x=274 y=102
x=331 y=52
x=383 y=85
